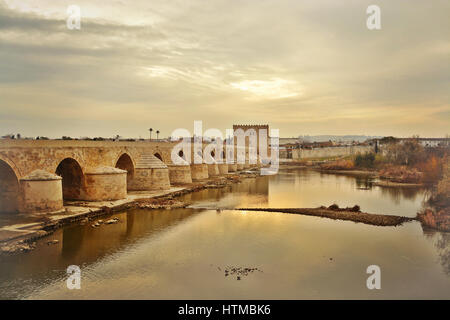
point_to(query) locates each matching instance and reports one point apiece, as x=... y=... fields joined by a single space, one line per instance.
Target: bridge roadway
x=38 y=175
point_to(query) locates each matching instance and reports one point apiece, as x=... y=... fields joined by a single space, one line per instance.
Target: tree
x=408 y=152
x=151 y=129
x=157 y=134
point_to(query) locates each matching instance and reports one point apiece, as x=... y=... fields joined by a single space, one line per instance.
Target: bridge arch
x=158 y=155
x=12 y=165
x=126 y=163
x=9 y=188
x=72 y=178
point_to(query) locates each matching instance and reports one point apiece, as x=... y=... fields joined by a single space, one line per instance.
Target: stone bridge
x=37 y=175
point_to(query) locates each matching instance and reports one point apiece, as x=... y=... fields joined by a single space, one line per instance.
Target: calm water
x=183 y=253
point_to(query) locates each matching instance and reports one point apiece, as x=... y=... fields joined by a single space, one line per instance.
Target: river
x=183 y=253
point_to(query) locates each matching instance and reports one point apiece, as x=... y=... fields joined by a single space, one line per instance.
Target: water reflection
x=398 y=194
x=364 y=182
x=307 y=188
x=176 y=253
x=441 y=241
x=249 y=193
x=82 y=245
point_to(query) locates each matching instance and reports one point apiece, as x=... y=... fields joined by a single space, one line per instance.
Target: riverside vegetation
x=408 y=163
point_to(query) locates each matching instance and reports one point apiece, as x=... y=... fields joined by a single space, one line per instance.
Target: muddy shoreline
x=347 y=214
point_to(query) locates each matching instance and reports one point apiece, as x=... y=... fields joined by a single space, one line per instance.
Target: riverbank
x=391 y=184
x=384 y=178
x=437 y=215
x=22 y=236
x=336 y=213
x=380 y=180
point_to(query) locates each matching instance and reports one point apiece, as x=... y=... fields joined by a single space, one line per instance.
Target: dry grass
x=343 y=164
x=401 y=174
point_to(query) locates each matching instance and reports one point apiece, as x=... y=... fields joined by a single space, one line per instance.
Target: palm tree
x=151 y=129
x=157 y=134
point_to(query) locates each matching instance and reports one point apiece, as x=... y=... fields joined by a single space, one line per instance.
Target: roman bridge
x=37 y=175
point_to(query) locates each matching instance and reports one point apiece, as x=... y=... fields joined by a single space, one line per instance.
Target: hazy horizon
x=303 y=67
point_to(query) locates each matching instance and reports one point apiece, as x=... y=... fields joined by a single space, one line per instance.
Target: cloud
x=301 y=66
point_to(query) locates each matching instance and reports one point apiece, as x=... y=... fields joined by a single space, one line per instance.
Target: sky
x=301 y=66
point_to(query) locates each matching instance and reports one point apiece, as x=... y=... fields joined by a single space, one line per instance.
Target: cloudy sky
x=303 y=66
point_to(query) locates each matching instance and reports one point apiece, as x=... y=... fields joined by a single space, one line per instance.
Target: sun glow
x=275 y=88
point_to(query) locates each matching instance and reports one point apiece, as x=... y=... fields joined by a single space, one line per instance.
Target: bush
x=402 y=174
x=366 y=160
x=334 y=206
x=380 y=160
x=432 y=169
x=338 y=165
x=409 y=152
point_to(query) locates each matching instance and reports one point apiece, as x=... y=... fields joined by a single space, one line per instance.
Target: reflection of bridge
x=36 y=175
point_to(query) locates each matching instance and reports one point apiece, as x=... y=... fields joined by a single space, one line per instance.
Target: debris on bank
x=98 y=223
x=161 y=204
x=168 y=201
x=239 y=272
x=334 y=212
x=20 y=246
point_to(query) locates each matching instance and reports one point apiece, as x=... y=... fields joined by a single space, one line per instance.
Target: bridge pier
x=232 y=167
x=180 y=174
x=199 y=171
x=40 y=191
x=150 y=174
x=223 y=168
x=213 y=170
x=105 y=183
